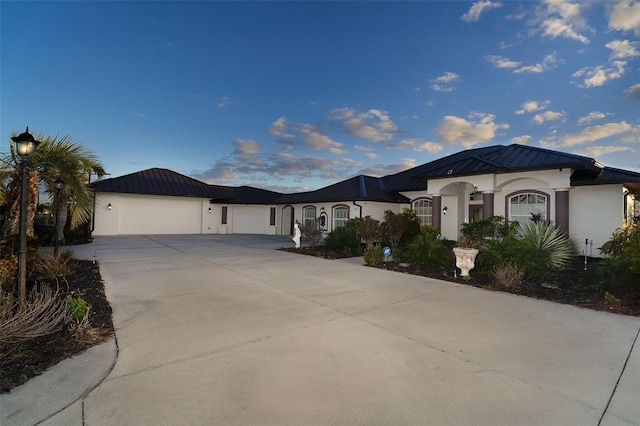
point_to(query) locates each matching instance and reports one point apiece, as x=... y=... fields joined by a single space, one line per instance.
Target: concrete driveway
x=218 y=330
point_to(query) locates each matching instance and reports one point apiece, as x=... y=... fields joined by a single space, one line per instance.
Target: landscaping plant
x=544 y=247
x=427 y=249
x=619 y=274
x=344 y=240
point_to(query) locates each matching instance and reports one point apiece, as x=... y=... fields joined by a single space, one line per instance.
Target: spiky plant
x=548 y=245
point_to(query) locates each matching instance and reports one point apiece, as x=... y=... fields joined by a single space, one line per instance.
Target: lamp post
x=25 y=146
x=58 y=184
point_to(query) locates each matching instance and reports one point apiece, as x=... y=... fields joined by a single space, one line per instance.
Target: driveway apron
x=228 y=330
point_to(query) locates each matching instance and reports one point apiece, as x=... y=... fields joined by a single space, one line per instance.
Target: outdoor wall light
x=109 y=206
x=321 y=210
x=444 y=210
x=210 y=211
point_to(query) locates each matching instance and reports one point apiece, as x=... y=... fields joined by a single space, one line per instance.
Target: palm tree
x=56 y=157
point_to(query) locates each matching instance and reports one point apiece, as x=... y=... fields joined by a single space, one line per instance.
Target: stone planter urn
x=465 y=259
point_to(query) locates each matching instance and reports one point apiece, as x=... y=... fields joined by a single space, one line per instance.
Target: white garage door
x=249 y=220
x=168 y=215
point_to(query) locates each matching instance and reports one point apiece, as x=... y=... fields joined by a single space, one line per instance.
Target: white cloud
x=502 y=62
x=549 y=62
x=139 y=114
x=625 y=16
x=479 y=128
x=445 y=82
x=562 y=18
x=374 y=125
x=634 y=91
x=523 y=140
x=473 y=14
x=594 y=115
x=280 y=128
x=317 y=140
x=598 y=76
x=372 y=155
x=555 y=27
x=246 y=147
x=591 y=134
x=623 y=49
x=597 y=151
x=547 y=116
x=419 y=144
x=380 y=170
x=532 y=106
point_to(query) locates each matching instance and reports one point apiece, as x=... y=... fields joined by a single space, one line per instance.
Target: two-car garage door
x=160 y=216
x=132 y=214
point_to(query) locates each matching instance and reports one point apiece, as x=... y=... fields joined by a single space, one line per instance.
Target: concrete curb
x=59 y=387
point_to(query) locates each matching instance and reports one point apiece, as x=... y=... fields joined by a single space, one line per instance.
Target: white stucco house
x=578 y=194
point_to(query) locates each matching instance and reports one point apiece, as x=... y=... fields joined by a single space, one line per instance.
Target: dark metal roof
x=358 y=188
x=250 y=195
x=161 y=182
x=491 y=159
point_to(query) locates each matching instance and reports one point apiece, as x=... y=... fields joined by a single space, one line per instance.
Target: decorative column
x=562 y=209
x=487 y=204
x=436 y=212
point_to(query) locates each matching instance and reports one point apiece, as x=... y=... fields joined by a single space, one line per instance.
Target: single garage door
x=160 y=215
x=249 y=220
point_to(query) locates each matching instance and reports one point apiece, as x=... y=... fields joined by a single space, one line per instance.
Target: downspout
x=360 y=207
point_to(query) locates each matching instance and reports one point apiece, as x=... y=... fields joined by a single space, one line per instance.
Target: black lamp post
x=25 y=146
x=58 y=184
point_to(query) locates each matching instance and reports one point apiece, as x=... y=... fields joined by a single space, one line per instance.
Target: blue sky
x=294 y=96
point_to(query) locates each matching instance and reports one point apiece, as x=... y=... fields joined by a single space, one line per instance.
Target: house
x=578 y=194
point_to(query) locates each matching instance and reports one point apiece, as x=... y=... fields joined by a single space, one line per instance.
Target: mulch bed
x=21 y=361
x=562 y=287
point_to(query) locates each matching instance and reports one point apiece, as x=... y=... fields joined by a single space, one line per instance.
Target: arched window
x=309 y=214
x=340 y=216
x=522 y=205
x=424 y=211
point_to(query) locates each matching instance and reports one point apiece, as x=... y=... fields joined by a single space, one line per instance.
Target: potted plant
x=466 y=253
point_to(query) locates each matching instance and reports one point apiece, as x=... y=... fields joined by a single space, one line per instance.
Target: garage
x=249 y=220
x=159 y=215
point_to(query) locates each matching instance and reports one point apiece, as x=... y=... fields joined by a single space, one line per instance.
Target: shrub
x=48 y=267
x=509 y=276
x=546 y=247
x=373 y=255
x=311 y=230
x=43 y=313
x=78 y=307
x=370 y=231
x=400 y=228
x=343 y=240
x=494 y=228
x=427 y=250
x=618 y=275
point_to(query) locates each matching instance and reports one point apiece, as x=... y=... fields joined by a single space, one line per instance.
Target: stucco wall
x=594 y=213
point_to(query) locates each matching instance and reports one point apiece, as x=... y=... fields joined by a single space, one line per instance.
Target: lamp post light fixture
x=26 y=145
x=58 y=185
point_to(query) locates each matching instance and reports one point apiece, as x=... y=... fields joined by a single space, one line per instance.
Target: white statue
x=296 y=235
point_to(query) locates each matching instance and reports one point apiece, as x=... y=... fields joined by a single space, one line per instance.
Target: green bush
x=480 y=233
x=400 y=228
x=343 y=240
x=427 y=250
x=78 y=307
x=618 y=274
x=373 y=255
x=545 y=247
